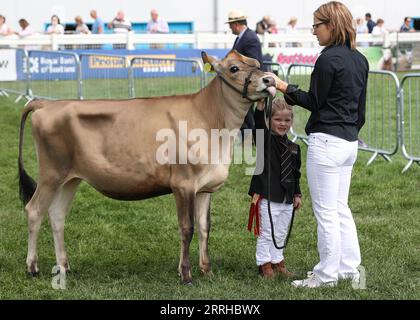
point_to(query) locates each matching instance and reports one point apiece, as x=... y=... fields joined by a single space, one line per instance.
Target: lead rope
x=269 y=107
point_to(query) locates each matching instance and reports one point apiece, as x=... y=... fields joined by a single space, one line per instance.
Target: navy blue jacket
x=337 y=94
x=249 y=45
x=279 y=192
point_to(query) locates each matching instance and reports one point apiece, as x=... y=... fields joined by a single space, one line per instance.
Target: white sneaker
x=354 y=277
x=312 y=282
x=358 y=280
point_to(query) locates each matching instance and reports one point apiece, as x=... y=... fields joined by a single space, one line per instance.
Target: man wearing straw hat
x=248 y=44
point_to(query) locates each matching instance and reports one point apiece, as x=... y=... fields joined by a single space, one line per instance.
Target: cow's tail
x=27 y=185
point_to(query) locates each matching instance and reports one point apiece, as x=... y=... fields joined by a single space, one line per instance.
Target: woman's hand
x=297 y=202
x=280 y=84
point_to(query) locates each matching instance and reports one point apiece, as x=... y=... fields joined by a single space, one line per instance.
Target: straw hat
x=236 y=15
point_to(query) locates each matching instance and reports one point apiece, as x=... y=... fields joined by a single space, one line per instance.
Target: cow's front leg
x=185 y=203
x=202 y=214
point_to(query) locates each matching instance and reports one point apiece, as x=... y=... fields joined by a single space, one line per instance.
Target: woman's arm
x=321 y=80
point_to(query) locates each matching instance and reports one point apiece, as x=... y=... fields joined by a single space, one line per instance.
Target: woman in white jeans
x=336 y=100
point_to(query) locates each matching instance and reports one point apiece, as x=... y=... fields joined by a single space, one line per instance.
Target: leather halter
x=244 y=92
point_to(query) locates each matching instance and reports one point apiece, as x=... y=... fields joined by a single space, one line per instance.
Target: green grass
x=130 y=250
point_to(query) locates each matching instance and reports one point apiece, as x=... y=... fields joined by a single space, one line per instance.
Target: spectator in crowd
x=291 y=29
x=272 y=26
x=291 y=26
x=157 y=24
x=248 y=44
x=272 y=29
x=26 y=29
x=81 y=27
x=98 y=24
x=120 y=25
x=4 y=28
x=361 y=28
x=55 y=26
x=263 y=25
x=247 y=41
x=379 y=29
x=406 y=27
x=369 y=22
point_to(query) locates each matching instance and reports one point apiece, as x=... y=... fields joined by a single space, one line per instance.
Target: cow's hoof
x=209 y=274
x=33 y=274
x=187 y=282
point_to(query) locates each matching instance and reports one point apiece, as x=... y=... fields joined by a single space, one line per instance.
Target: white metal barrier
x=410 y=118
x=381 y=131
x=44 y=81
x=165 y=76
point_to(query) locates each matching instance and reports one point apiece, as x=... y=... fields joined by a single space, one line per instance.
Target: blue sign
x=56 y=65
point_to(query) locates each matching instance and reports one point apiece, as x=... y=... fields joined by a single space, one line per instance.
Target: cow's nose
x=269 y=81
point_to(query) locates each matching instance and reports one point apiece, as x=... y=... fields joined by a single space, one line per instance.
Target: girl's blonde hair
x=340 y=19
x=279 y=104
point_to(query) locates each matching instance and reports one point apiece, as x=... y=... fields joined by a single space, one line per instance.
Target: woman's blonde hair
x=340 y=19
x=279 y=104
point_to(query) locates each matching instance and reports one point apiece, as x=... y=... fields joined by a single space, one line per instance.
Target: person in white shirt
x=157 y=24
x=361 y=28
x=81 y=27
x=4 y=28
x=55 y=26
x=291 y=29
x=120 y=24
x=26 y=29
x=379 y=29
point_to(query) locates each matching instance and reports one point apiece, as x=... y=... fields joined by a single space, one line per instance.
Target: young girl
x=285 y=190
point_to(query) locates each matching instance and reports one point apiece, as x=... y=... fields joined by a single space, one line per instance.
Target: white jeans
x=329 y=164
x=281 y=214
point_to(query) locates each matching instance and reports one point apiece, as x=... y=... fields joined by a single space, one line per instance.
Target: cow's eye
x=234 y=69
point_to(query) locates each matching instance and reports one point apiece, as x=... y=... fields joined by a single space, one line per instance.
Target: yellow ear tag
x=208 y=67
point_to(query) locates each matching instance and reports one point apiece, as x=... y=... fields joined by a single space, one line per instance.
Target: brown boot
x=266 y=270
x=282 y=270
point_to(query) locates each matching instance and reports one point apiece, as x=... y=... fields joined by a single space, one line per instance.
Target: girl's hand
x=280 y=84
x=297 y=202
x=260 y=105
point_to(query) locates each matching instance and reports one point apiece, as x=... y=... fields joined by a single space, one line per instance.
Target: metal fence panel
x=410 y=118
x=275 y=68
x=54 y=74
x=104 y=76
x=152 y=77
x=379 y=135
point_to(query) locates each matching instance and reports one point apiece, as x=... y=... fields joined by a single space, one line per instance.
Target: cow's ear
x=210 y=63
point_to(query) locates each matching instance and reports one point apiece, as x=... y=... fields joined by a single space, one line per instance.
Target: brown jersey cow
x=113 y=146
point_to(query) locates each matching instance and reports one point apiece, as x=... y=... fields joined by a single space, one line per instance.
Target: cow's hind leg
x=57 y=213
x=202 y=212
x=185 y=203
x=35 y=210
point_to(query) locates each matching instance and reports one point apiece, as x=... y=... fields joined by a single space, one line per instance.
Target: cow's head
x=242 y=74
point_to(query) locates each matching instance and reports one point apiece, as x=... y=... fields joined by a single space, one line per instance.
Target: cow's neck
x=228 y=108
